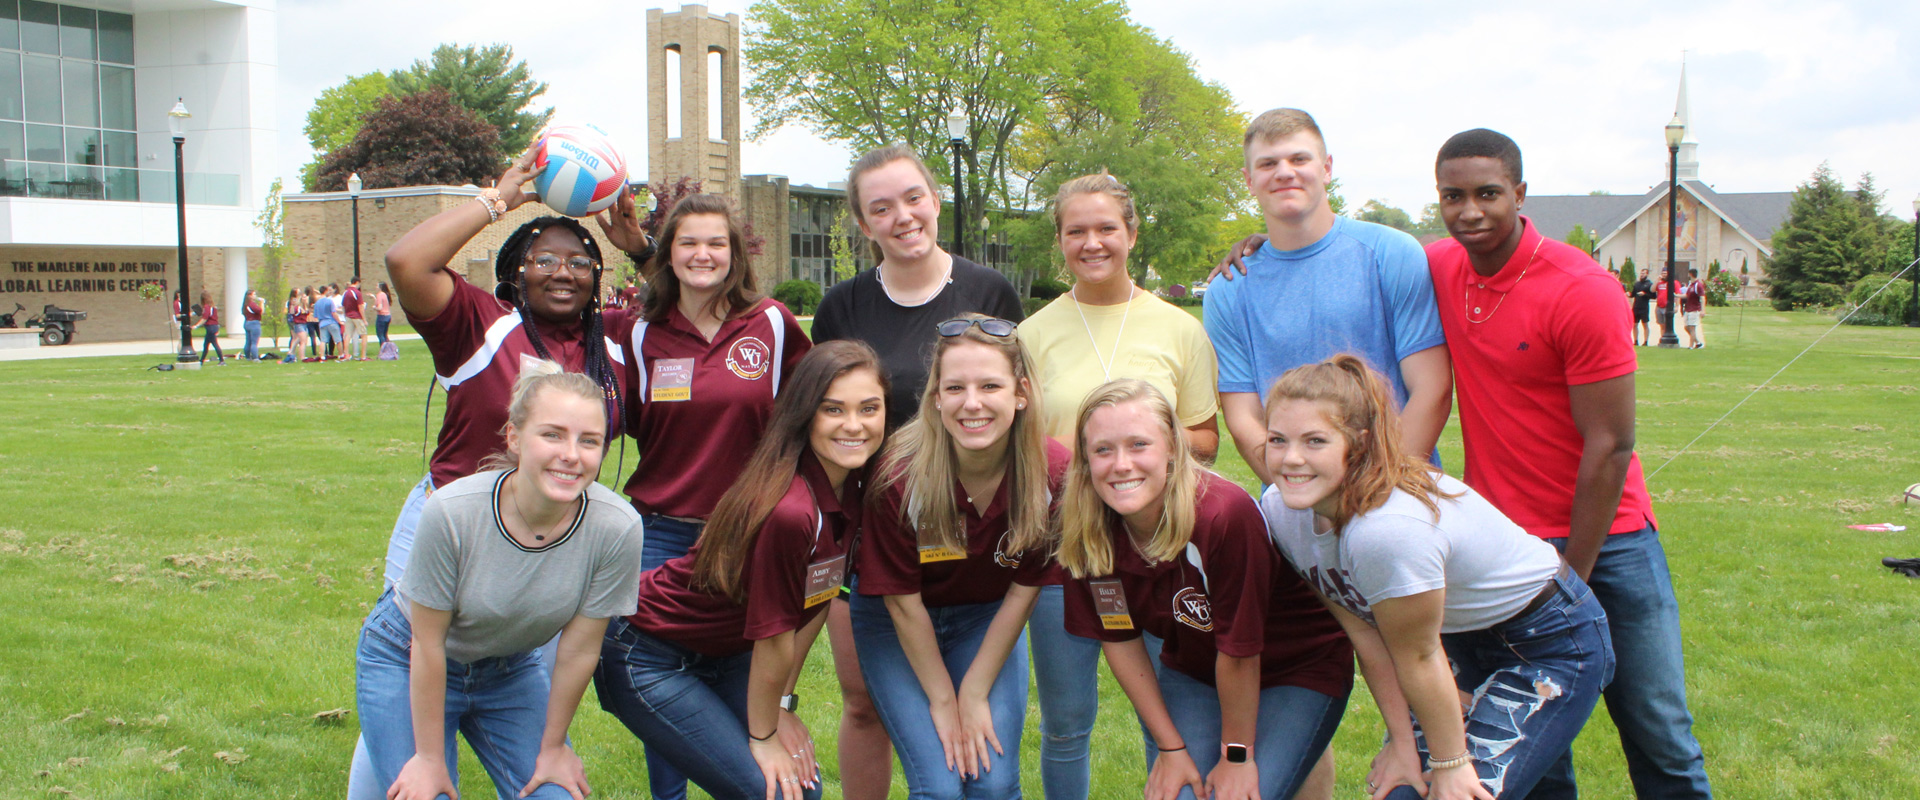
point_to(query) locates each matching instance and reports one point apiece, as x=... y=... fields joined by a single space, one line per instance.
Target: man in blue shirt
x=1320 y=285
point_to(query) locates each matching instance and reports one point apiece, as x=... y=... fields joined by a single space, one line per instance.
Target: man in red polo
x=1546 y=393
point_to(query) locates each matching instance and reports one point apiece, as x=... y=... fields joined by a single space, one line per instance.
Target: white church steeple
x=1689 y=149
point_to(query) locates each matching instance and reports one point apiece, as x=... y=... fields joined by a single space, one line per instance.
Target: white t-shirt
x=1490 y=567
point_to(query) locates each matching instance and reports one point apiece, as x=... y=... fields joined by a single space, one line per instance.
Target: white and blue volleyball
x=579 y=173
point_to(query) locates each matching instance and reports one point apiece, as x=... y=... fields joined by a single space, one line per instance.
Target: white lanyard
x=1106 y=363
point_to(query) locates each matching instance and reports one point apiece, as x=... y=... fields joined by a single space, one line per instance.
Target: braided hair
x=511 y=286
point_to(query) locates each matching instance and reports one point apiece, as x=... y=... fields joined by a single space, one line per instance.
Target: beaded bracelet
x=1449 y=763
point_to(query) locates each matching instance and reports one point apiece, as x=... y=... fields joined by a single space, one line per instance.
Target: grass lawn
x=186 y=558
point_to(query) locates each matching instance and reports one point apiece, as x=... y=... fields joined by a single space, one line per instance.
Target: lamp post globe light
x=1913 y=272
x=1675 y=129
x=353 y=191
x=957 y=124
x=177 y=125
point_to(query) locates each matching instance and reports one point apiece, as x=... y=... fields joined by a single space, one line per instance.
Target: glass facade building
x=66 y=102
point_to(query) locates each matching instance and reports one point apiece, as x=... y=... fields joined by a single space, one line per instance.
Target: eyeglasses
x=991 y=326
x=548 y=263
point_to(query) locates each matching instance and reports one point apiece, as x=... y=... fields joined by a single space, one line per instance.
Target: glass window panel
x=83 y=146
x=123 y=184
x=13 y=178
x=39 y=27
x=85 y=183
x=120 y=149
x=9 y=24
x=43 y=180
x=13 y=142
x=45 y=143
x=76 y=32
x=116 y=98
x=116 y=37
x=11 y=105
x=81 y=82
x=42 y=82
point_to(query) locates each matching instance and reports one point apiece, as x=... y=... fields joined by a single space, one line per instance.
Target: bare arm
x=1603 y=413
x=1399 y=760
x=578 y=654
x=1429 y=378
x=1247 y=424
x=1174 y=768
x=775 y=660
x=976 y=717
x=1237 y=679
x=1204 y=439
x=418 y=262
x=1410 y=628
x=425 y=774
x=915 y=629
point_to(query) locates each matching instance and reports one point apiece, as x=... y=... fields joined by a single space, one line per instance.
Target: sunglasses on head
x=991 y=326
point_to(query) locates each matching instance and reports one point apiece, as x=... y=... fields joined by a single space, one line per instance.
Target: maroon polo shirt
x=698 y=408
x=1228 y=593
x=477 y=343
x=796 y=564
x=891 y=558
x=251 y=311
x=350 y=303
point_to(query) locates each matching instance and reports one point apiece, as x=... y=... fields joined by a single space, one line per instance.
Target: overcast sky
x=1776 y=87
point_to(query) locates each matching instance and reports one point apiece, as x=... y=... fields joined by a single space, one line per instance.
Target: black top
x=903 y=336
x=1642 y=294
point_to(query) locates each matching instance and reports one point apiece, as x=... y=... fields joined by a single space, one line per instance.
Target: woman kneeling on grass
x=951 y=560
x=502 y=560
x=1256 y=673
x=1419 y=569
x=704 y=671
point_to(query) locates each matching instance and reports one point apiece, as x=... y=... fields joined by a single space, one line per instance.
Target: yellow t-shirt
x=1161 y=344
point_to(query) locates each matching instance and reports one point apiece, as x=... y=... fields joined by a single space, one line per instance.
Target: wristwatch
x=790 y=703
x=1236 y=754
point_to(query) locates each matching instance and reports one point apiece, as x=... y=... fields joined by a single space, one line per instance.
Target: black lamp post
x=1913 y=307
x=1675 y=129
x=353 y=191
x=957 y=136
x=177 y=125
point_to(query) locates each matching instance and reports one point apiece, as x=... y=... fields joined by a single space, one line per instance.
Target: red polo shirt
x=891 y=556
x=477 y=343
x=1548 y=320
x=1262 y=608
x=795 y=565
x=698 y=408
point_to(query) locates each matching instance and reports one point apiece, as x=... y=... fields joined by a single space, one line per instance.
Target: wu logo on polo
x=1191 y=608
x=749 y=358
x=1001 y=556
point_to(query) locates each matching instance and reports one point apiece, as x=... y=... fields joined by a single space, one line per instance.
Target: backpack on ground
x=389 y=351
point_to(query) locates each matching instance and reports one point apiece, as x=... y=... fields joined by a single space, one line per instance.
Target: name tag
x=933 y=553
x=672 y=380
x=824 y=579
x=1110 y=601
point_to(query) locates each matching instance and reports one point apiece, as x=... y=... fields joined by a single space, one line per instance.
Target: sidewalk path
x=154 y=347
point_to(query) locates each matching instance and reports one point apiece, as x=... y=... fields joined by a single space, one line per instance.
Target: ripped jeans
x=1535 y=679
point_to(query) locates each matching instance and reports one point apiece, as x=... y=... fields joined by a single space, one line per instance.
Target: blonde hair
x=921 y=455
x=875 y=159
x=1087 y=524
x=535 y=378
x=1102 y=182
x=1358 y=405
x=1281 y=123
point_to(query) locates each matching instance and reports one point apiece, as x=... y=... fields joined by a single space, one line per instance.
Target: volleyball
x=578 y=171
x=1913 y=493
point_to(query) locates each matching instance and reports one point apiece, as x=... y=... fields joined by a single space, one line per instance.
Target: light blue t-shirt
x=323 y=311
x=1362 y=289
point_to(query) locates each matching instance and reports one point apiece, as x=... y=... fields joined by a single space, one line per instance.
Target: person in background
x=383 y=312
x=895 y=308
x=1692 y=297
x=326 y=311
x=1660 y=304
x=296 y=326
x=353 y=312
x=1548 y=432
x=311 y=321
x=208 y=318
x=1642 y=298
x=251 y=310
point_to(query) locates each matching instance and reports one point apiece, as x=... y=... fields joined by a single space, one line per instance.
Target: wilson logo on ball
x=579 y=173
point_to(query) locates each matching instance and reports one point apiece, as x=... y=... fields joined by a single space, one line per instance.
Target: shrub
x=1046 y=289
x=1721 y=286
x=1032 y=305
x=1185 y=300
x=801 y=297
x=1889 y=307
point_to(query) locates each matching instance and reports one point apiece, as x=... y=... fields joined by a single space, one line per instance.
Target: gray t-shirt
x=1490 y=567
x=506 y=598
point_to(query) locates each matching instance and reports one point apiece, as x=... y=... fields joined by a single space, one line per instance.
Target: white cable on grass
x=1783 y=368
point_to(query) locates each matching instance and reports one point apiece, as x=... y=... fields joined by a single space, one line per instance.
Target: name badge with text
x=932 y=553
x=1110 y=602
x=824 y=579
x=672 y=380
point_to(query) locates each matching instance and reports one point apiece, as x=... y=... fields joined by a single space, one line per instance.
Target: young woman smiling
x=503 y=561
x=1105 y=328
x=952 y=555
x=1452 y=607
x=707 y=353
x=1256 y=674
x=704 y=671
x=895 y=308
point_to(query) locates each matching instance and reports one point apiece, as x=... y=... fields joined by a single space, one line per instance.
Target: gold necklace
x=1466 y=293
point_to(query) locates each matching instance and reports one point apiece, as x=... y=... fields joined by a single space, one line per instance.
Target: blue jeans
x=380 y=325
x=252 y=350
x=1648 y=698
x=1535 y=680
x=903 y=705
x=666 y=539
x=1292 y=730
x=212 y=342
x=1066 y=674
x=498 y=704
x=689 y=709
x=360 y=776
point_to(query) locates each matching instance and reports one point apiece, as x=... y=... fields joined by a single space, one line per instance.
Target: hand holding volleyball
x=576 y=170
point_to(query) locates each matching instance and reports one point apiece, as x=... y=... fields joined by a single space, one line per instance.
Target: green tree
x=269 y=278
x=336 y=115
x=1430 y=221
x=1376 y=211
x=412 y=140
x=1599 y=193
x=1630 y=274
x=486 y=80
x=1823 y=247
x=1578 y=237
